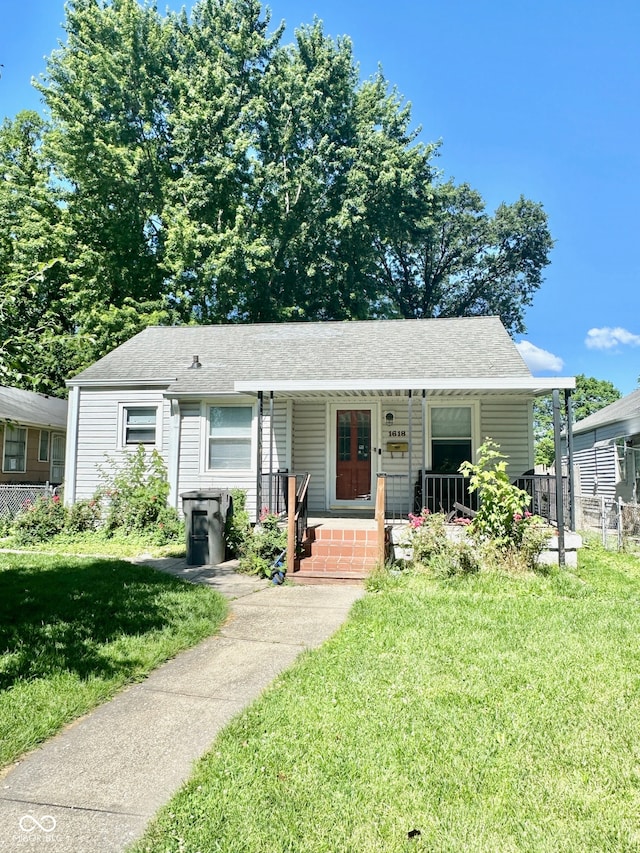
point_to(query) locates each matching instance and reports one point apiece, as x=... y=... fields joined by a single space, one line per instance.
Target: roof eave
x=533 y=385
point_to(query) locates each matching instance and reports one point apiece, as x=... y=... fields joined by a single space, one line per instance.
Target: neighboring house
x=230 y=406
x=33 y=428
x=606 y=450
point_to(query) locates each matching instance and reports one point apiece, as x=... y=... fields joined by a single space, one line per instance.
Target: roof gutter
x=534 y=385
x=119 y=383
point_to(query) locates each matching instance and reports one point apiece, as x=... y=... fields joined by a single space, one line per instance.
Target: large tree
x=198 y=170
x=590 y=396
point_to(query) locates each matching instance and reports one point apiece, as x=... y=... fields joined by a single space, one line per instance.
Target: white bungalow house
x=606 y=451
x=344 y=402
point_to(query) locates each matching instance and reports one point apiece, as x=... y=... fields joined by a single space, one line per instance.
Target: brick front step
x=334 y=555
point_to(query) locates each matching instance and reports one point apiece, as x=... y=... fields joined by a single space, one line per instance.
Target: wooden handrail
x=297 y=503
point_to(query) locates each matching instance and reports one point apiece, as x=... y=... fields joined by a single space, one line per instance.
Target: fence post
x=620 y=531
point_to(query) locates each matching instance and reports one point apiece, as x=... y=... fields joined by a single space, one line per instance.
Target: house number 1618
x=397 y=433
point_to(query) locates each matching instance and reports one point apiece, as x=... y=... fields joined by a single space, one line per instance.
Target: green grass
x=74 y=631
x=490 y=713
x=97 y=543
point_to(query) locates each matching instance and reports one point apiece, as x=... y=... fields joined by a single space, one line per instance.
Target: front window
x=139 y=425
x=15 y=449
x=451 y=438
x=43 y=446
x=230 y=437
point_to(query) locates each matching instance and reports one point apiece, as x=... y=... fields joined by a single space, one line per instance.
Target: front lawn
x=488 y=712
x=74 y=631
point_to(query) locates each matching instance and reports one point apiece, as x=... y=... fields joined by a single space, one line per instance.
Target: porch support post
x=259 y=459
x=568 y=402
x=291 y=523
x=558 y=454
x=424 y=448
x=271 y=508
x=410 y=416
x=381 y=484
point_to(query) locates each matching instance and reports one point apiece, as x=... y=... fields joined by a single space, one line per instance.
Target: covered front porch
x=375 y=457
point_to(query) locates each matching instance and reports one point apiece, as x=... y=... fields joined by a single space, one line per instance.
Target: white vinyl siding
x=310 y=448
x=99 y=446
x=508 y=423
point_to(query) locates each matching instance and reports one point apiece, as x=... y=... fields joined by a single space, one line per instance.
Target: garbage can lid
x=203 y=494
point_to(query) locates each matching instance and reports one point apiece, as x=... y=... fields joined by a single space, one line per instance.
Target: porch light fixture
x=196 y=363
x=389 y=418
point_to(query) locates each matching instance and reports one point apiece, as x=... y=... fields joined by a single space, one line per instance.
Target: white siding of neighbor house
x=97 y=447
x=595 y=457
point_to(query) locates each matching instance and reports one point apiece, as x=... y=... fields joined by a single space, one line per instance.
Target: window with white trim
x=43 y=446
x=15 y=449
x=230 y=437
x=451 y=438
x=139 y=425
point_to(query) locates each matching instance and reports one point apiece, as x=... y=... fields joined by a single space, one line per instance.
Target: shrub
x=459 y=558
x=238 y=527
x=39 y=521
x=267 y=542
x=501 y=503
x=136 y=495
x=83 y=516
x=427 y=535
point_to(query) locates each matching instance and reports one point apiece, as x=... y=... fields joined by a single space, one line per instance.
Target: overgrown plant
x=266 y=543
x=136 y=495
x=238 y=526
x=501 y=504
x=40 y=520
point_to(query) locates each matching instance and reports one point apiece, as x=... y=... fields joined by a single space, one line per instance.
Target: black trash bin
x=205 y=514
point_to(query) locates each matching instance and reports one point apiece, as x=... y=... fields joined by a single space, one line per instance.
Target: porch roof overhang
x=517 y=385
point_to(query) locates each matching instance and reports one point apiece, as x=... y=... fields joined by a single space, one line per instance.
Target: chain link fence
x=616 y=523
x=13 y=499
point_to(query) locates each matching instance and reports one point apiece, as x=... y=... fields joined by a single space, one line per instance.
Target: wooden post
x=380 y=503
x=291 y=524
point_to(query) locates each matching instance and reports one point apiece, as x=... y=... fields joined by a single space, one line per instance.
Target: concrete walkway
x=94 y=787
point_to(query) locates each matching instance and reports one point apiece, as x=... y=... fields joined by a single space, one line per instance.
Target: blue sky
x=537 y=97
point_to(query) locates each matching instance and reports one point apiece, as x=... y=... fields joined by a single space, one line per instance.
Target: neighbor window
x=139 y=424
x=230 y=436
x=451 y=438
x=15 y=449
x=43 y=446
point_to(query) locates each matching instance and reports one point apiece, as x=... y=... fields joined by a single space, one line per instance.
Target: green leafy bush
x=40 y=520
x=135 y=496
x=238 y=526
x=267 y=542
x=501 y=503
x=84 y=515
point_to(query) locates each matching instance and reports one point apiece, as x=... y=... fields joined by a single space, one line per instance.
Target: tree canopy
x=195 y=169
x=590 y=396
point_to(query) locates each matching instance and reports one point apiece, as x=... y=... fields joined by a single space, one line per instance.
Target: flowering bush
x=40 y=520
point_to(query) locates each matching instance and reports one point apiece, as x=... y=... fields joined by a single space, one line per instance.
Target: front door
x=353 y=455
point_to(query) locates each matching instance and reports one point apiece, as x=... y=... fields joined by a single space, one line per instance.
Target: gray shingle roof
x=354 y=350
x=26 y=407
x=621 y=410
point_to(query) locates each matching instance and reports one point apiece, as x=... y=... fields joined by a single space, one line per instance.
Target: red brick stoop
x=337 y=555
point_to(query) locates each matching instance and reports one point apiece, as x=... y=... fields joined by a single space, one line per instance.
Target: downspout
x=270 y=451
x=173 y=455
x=71 y=447
x=259 y=459
x=410 y=416
x=424 y=448
x=558 y=466
x=568 y=401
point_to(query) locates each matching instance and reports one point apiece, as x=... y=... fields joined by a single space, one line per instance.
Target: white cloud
x=607 y=338
x=539 y=359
